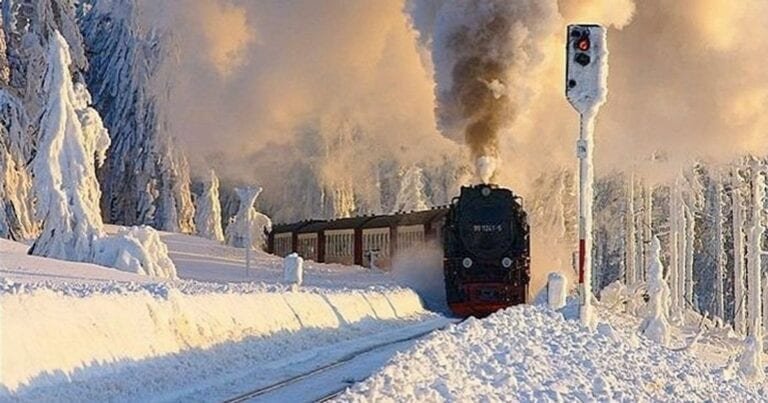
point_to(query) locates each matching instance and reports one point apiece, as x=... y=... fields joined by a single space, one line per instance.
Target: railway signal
x=586 y=88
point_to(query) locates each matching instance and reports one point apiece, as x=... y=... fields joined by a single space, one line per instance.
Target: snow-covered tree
x=26 y=30
x=146 y=178
x=656 y=326
x=248 y=220
x=73 y=141
x=208 y=210
x=411 y=197
x=677 y=250
x=16 y=208
x=739 y=217
x=751 y=360
x=720 y=256
x=67 y=192
x=630 y=255
x=647 y=226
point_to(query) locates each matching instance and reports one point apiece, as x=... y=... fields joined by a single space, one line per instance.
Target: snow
x=131 y=67
x=208 y=210
x=293 y=269
x=249 y=225
x=130 y=336
x=557 y=290
x=532 y=353
x=751 y=363
x=65 y=175
x=73 y=140
x=410 y=196
x=656 y=326
x=138 y=327
x=138 y=250
x=739 y=285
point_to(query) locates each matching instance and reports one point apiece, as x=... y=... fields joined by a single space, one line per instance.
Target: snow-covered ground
x=85 y=332
x=88 y=333
x=532 y=353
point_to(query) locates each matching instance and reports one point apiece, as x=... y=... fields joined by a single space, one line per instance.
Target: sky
x=686 y=81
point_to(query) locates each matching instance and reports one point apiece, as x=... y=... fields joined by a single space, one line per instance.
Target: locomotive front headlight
x=466 y=262
x=506 y=262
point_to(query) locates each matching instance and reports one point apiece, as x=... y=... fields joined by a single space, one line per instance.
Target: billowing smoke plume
x=485 y=55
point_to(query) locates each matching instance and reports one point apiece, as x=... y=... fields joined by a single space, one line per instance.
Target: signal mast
x=586 y=88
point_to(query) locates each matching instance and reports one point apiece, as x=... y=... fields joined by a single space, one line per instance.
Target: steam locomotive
x=486 y=251
x=484 y=233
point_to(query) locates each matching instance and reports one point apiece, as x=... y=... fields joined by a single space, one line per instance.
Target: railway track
x=298 y=387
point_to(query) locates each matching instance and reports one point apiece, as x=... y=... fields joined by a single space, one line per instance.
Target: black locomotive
x=486 y=251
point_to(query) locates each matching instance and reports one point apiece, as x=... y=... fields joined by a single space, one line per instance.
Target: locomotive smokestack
x=484 y=53
x=486 y=167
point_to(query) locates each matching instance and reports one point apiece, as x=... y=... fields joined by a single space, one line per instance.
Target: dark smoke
x=475 y=70
x=485 y=53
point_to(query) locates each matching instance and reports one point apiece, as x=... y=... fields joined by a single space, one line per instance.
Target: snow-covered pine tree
x=630 y=255
x=681 y=242
x=16 y=208
x=72 y=141
x=739 y=218
x=67 y=192
x=675 y=234
x=27 y=26
x=719 y=252
x=146 y=178
x=695 y=203
x=751 y=360
x=410 y=196
x=647 y=226
x=208 y=210
x=655 y=326
x=248 y=220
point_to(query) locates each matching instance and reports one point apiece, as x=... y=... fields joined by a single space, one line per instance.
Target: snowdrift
x=61 y=337
x=531 y=353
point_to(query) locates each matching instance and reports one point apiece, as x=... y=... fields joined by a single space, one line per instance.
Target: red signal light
x=583 y=44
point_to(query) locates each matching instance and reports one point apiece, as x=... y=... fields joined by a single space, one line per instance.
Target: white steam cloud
x=687 y=80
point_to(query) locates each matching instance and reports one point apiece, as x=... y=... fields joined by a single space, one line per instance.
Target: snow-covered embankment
x=61 y=339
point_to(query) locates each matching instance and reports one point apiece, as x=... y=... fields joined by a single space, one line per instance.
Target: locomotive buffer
x=586 y=87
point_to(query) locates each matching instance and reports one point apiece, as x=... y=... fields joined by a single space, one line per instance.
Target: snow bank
x=137 y=250
x=61 y=339
x=531 y=353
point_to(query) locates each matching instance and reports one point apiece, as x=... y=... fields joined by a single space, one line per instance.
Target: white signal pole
x=586 y=88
